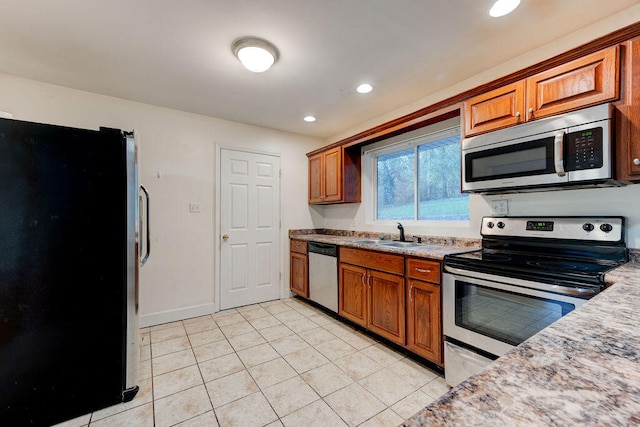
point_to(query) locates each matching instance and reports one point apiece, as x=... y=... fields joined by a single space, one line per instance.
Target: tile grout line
x=204 y=383
x=289 y=319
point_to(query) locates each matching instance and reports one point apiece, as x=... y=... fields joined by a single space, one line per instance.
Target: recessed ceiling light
x=503 y=7
x=364 y=88
x=309 y=119
x=256 y=54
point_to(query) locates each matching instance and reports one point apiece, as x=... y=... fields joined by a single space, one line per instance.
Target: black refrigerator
x=69 y=260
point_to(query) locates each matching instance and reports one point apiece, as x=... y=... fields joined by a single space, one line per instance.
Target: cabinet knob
x=636 y=162
x=530 y=110
x=518 y=114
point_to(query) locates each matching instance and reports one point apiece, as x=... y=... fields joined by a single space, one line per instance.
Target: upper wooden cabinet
x=334 y=176
x=628 y=115
x=496 y=109
x=590 y=80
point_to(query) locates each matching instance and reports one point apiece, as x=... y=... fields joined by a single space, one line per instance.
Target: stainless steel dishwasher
x=323 y=274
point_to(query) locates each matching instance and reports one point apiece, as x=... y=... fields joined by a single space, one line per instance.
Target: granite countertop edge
x=581 y=370
x=431 y=247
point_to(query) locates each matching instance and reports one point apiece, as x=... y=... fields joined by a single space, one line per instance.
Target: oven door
x=495 y=316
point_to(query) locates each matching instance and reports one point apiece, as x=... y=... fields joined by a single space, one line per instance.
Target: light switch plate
x=194 y=207
x=500 y=207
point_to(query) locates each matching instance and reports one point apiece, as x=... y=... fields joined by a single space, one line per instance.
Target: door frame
x=217 y=216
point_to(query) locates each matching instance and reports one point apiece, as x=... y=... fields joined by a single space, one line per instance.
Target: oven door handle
x=558 y=153
x=562 y=290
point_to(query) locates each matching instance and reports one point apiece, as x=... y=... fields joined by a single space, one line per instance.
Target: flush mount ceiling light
x=309 y=119
x=503 y=7
x=364 y=88
x=256 y=54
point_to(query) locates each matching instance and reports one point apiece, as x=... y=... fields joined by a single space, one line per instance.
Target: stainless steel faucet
x=401 y=228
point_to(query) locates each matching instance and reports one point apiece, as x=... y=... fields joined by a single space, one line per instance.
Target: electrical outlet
x=194 y=207
x=500 y=207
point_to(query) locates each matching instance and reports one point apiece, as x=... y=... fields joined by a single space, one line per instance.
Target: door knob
x=225 y=237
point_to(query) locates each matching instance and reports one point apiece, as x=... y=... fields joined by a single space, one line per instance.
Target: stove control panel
x=597 y=229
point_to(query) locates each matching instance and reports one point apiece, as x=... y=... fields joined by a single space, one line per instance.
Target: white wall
x=177 y=158
x=610 y=201
x=559 y=46
x=623 y=201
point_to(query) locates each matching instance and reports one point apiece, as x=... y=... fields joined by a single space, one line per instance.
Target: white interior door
x=249 y=228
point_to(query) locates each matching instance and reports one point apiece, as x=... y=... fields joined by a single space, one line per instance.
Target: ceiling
x=177 y=54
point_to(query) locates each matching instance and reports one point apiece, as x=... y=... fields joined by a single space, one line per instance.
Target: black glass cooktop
x=569 y=268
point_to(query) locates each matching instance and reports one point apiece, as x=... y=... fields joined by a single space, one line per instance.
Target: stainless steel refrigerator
x=69 y=260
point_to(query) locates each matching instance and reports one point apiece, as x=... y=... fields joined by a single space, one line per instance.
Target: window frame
x=412 y=139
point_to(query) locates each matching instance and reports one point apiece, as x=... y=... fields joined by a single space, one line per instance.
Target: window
x=419 y=178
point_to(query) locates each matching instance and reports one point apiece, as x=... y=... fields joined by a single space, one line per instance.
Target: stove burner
x=557 y=265
x=495 y=257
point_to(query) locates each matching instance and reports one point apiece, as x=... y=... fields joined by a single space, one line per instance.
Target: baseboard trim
x=153 y=319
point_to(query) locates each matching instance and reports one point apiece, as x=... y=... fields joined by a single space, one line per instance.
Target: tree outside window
x=428 y=172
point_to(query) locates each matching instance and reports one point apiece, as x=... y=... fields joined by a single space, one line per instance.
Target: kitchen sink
x=399 y=244
x=368 y=241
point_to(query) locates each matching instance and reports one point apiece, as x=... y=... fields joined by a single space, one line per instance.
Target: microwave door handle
x=558 y=154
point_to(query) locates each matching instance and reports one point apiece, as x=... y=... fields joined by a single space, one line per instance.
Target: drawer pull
x=422 y=270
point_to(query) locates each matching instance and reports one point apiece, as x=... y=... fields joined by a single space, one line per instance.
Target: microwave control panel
x=584 y=149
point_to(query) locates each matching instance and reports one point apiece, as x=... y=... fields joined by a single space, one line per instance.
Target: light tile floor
x=271 y=364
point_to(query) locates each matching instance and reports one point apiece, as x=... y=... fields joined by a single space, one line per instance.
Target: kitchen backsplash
x=634 y=254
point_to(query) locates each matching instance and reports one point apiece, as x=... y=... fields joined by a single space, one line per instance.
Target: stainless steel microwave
x=572 y=149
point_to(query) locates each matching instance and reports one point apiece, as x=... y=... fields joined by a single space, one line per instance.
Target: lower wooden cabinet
x=299 y=264
x=353 y=298
x=424 y=316
x=424 y=327
x=387 y=311
x=373 y=299
x=396 y=297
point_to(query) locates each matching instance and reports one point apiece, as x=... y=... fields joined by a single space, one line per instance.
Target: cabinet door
x=386 y=314
x=628 y=117
x=299 y=274
x=590 y=80
x=315 y=179
x=299 y=246
x=424 y=328
x=332 y=175
x=496 y=109
x=353 y=294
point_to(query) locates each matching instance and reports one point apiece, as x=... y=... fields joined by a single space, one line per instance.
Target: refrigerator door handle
x=148 y=246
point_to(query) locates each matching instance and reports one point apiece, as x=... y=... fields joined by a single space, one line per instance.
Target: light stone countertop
x=434 y=248
x=582 y=370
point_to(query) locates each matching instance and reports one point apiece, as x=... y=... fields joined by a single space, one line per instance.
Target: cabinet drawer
x=423 y=269
x=374 y=260
x=299 y=246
